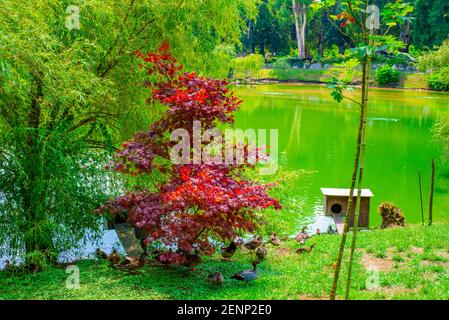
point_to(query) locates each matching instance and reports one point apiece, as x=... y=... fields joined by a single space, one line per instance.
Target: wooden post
x=420 y=196
x=432 y=185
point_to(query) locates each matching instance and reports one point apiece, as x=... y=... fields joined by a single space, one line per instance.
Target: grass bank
x=407 y=80
x=412 y=263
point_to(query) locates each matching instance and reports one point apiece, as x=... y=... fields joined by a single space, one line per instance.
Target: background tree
x=432 y=19
x=67 y=93
x=300 y=8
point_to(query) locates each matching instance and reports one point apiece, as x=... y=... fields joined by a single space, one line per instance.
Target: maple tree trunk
x=299 y=12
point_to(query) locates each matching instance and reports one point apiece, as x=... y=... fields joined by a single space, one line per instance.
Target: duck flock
x=255 y=245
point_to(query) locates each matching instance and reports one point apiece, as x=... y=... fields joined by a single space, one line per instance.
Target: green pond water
x=319 y=135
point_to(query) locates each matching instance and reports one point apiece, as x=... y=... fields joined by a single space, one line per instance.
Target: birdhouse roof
x=337 y=192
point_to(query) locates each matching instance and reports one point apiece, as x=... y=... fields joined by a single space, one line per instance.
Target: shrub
x=248 y=66
x=386 y=74
x=346 y=71
x=439 y=80
x=437 y=63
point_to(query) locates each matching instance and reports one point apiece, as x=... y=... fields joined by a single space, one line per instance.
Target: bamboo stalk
x=349 y=210
x=420 y=196
x=366 y=67
x=432 y=187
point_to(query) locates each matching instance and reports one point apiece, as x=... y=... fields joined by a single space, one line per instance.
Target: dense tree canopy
x=69 y=87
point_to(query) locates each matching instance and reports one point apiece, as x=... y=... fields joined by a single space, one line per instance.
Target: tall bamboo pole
x=349 y=211
x=365 y=75
x=420 y=197
x=432 y=187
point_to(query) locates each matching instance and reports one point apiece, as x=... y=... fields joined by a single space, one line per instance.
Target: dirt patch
x=392 y=291
x=429 y=276
x=371 y=263
x=443 y=253
x=309 y=297
x=416 y=250
x=435 y=263
x=282 y=252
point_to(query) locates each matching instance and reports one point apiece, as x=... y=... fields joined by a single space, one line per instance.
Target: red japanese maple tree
x=199 y=202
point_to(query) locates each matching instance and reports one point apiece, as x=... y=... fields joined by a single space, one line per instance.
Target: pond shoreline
x=267 y=81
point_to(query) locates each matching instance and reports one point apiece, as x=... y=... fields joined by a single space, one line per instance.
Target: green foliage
x=331 y=55
x=284 y=72
x=435 y=59
x=437 y=63
x=432 y=19
x=248 y=66
x=49 y=188
x=439 y=80
x=346 y=72
x=441 y=133
x=386 y=74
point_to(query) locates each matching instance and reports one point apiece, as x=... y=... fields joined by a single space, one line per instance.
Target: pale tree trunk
x=299 y=12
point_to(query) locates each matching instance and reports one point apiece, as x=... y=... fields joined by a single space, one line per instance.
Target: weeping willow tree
x=368 y=29
x=69 y=88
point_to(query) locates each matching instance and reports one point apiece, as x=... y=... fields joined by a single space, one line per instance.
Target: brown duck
x=254 y=243
x=302 y=236
x=215 y=278
x=261 y=252
x=131 y=264
x=114 y=257
x=275 y=240
x=305 y=250
x=228 y=252
x=192 y=260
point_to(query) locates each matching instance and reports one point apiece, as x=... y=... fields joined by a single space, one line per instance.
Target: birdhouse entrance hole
x=336 y=208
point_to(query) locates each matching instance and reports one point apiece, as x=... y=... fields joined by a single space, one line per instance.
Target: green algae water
x=319 y=135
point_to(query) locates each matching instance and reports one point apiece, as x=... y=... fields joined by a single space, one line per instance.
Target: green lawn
x=413 y=263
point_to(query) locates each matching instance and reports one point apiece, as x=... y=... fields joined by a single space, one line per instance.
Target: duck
x=114 y=257
x=305 y=250
x=228 y=252
x=8 y=266
x=215 y=278
x=275 y=240
x=100 y=254
x=131 y=264
x=330 y=230
x=261 y=252
x=247 y=275
x=302 y=236
x=192 y=260
x=318 y=232
x=254 y=243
